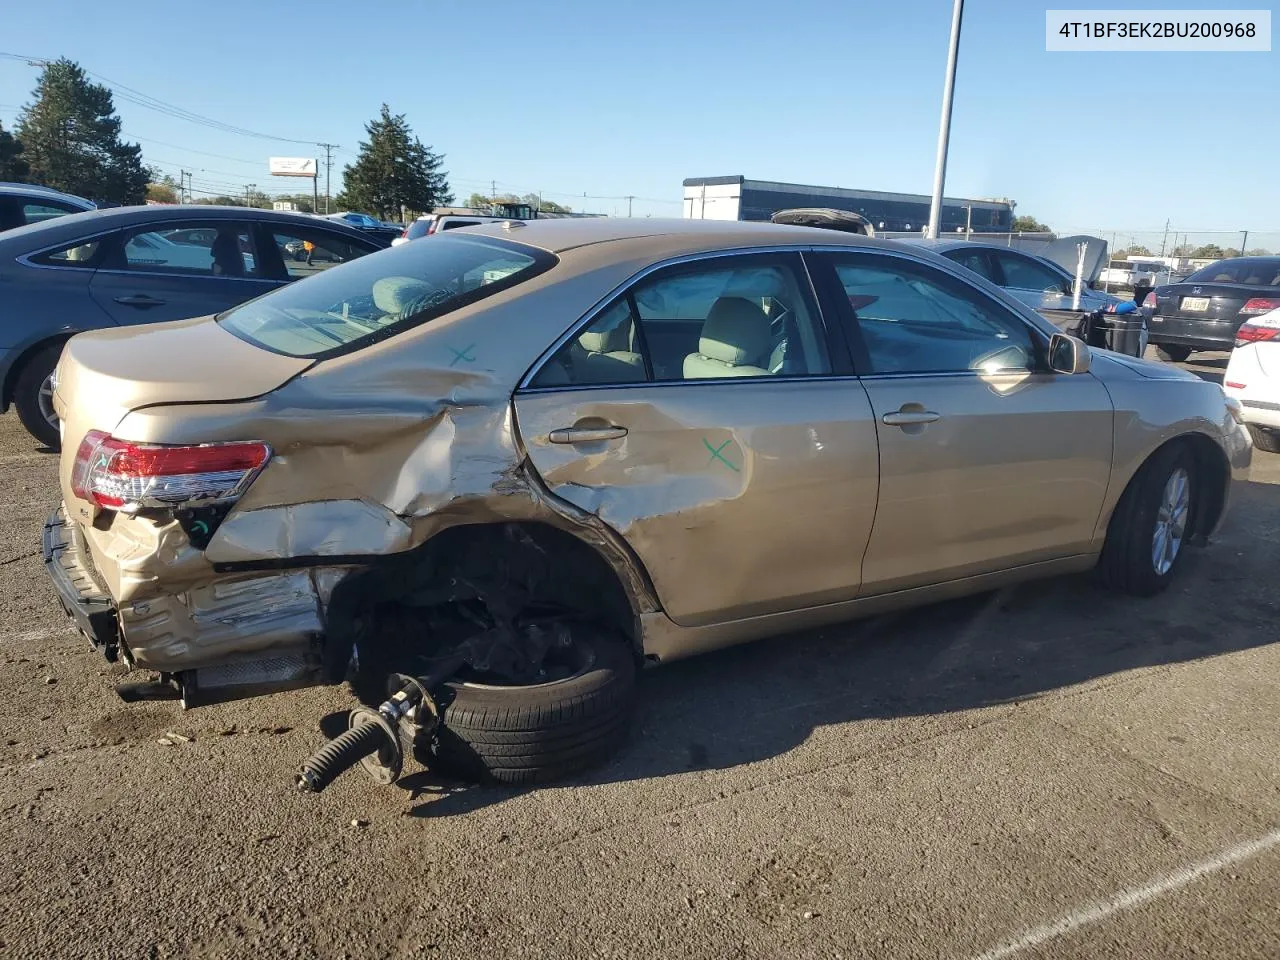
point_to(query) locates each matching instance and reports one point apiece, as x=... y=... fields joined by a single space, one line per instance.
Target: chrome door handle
x=586 y=434
x=907 y=418
x=140 y=300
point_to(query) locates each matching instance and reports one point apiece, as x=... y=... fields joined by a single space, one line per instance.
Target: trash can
x=1125 y=334
x=1122 y=328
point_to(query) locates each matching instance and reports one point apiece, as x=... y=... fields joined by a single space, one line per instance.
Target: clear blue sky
x=615 y=98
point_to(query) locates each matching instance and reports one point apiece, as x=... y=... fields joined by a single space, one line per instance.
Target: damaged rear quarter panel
x=374 y=452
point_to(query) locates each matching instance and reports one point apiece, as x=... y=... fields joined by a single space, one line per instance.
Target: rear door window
x=1025 y=273
x=38 y=211
x=223 y=249
x=455 y=224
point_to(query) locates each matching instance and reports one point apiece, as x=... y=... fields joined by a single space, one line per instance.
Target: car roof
x=558 y=235
x=36 y=190
x=96 y=221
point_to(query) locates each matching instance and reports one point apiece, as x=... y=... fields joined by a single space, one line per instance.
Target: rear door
x=987 y=460
x=178 y=269
x=700 y=415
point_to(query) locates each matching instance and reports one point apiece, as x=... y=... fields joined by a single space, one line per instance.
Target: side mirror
x=1067 y=354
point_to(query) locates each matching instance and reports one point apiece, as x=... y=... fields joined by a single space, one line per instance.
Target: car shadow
x=750 y=703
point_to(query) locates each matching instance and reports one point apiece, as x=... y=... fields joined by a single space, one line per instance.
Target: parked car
x=132 y=265
x=1253 y=378
x=1204 y=311
x=827 y=217
x=26 y=203
x=372 y=226
x=521 y=459
x=430 y=223
x=1047 y=288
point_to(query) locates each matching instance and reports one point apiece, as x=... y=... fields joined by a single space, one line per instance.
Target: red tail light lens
x=1260 y=305
x=1249 y=333
x=131 y=476
x=1149 y=300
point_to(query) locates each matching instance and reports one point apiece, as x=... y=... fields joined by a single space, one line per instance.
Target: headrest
x=394 y=295
x=616 y=337
x=735 y=332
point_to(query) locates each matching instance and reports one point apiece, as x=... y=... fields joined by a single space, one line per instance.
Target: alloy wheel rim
x=1171 y=521
x=45 y=401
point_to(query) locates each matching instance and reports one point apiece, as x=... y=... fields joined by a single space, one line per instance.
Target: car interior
x=728 y=323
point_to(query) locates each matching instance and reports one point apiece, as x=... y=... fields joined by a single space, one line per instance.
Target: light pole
x=944 y=129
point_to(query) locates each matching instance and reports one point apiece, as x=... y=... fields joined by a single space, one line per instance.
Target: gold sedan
x=541 y=453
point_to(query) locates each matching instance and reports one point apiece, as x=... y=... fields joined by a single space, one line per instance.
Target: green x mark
x=717 y=455
x=463 y=354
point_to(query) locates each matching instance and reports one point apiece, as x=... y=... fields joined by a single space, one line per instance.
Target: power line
x=137 y=97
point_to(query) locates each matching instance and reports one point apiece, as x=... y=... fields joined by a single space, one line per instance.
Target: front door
x=179 y=269
x=987 y=460
x=697 y=416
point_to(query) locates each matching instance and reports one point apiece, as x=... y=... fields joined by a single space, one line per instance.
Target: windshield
x=376 y=296
x=1255 y=272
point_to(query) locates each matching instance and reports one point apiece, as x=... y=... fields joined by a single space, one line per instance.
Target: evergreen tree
x=71 y=139
x=13 y=167
x=393 y=169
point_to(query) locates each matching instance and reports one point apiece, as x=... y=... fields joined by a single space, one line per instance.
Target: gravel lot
x=1045 y=772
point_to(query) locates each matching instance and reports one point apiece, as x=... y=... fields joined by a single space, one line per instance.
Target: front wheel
x=1172 y=353
x=33 y=396
x=1151 y=525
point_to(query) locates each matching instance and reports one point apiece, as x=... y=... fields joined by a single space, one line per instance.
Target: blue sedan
x=132 y=265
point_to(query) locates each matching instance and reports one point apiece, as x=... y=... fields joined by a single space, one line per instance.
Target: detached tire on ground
x=26 y=395
x=1136 y=558
x=1264 y=439
x=532 y=734
x=1171 y=353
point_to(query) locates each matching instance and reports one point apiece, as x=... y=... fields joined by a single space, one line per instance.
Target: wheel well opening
x=466 y=579
x=18 y=365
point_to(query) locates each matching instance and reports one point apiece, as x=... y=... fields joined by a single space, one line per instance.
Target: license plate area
x=1195 y=304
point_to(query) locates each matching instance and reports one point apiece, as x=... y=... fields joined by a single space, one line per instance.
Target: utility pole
x=1244 y=242
x=182 y=186
x=944 y=128
x=1165 y=239
x=248 y=194
x=629 y=199
x=493 y=191
x=328 y=171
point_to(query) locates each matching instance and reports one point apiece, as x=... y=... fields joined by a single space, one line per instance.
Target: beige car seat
x=735 y=342
x=607 y=356
x=395 y=295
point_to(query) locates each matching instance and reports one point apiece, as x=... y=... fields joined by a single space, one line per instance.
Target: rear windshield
x=1257 y=273
x=358 y=303
x=419 y=228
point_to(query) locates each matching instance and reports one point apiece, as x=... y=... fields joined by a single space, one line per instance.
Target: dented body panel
x=726 y=512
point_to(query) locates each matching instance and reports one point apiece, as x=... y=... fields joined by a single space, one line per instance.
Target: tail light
x=133 y=476
x=1251 y=333
x=1149 y=300
x=1260 y=305
x=431 y=227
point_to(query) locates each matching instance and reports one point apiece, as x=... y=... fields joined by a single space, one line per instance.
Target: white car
x=432 y=223
x=1253 y=378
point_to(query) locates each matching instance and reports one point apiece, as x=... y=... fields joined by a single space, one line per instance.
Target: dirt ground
x=1049 y=771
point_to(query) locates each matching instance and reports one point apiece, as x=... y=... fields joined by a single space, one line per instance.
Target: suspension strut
x=378 y=739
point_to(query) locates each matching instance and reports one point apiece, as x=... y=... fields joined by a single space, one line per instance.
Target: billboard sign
x=293 y=167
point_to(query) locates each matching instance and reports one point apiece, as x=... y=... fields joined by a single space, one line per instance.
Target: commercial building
x=737 y=198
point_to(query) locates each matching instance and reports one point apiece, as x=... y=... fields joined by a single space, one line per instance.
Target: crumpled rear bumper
x=83 y=598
